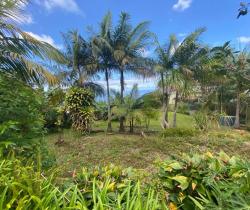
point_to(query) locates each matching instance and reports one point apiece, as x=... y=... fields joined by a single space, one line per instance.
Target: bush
x=22 y=187
x=79 y=104
x=178 y=132
x=183 y=108
x=205 y=182
x=23 y=106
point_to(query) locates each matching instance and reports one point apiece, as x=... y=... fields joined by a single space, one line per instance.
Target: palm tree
x=185 y=59
x=18 y=50
x=128 y=42
x=82 y=63
x=164 y=65
x=103 y=49
x=239 y=73
x=236 y=70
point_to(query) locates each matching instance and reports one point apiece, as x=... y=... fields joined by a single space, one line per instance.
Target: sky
x=48 y=19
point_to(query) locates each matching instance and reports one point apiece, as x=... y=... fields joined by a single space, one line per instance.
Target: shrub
x=205 y=182
x=201 y=121
x=22 y=187
x=183 y=108
x=79 y=104
x=178 y=132
x=22 y=105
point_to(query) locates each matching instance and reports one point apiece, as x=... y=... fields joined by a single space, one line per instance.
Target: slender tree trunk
x=164 y=122
x=221 y=99
x=122 y=119
x=109 y=128
x=175 y=109
x=131 y=130
x=237 y=114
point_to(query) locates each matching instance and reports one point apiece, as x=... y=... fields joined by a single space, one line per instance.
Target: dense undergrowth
x=188 y=182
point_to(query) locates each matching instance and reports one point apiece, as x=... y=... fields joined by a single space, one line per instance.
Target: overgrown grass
x=133 y=150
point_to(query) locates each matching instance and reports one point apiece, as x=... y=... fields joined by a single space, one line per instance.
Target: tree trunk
x=122 y=119
x=109 y=128
x=237 y=114
x=221 y=100
x=131 y=122
x=175 y=108
x=164 y=121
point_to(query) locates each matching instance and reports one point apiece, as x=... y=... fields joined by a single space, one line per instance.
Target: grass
x=134 y=151
x=184 y=121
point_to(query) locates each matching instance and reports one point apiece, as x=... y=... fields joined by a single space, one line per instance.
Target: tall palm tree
x=236 y=70
x=128 y=42
x=164 y=66
x=19 y=51
x=185 y=59
x=82 y=62
x=103 y=48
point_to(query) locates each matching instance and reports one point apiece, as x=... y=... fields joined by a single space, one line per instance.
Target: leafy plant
x=205 y=181
x=79 y=105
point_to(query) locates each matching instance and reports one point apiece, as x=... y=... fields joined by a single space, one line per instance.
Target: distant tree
x=236 y=70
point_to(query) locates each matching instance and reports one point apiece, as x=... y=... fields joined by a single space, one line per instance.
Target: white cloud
x=45 y=38
x=244 y=40
x=182 y=5
x=182 y=34
x=143 y=85
x=68 y=5
x=145 y=53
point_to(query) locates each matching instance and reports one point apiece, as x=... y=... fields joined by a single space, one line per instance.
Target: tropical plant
x=19 y=51
x=23 y=186
x=164 y=65
x=79 y=104
x=236 y=71
x=103 y=49
x=82 y=63
x=128 y=44
x=22 y=105
x=205 y=182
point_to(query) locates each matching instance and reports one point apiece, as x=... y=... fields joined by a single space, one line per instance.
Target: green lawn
x=132 y=150
x=183 y=121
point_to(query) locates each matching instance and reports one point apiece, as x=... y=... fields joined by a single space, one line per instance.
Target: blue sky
x=47 y=19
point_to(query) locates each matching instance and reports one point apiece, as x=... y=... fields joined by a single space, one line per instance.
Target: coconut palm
x=82 y=63
x=128 y=43
x=18 y=49
x=103 y=49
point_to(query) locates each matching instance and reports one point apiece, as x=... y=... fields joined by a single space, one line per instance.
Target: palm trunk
x=122 y=119
x=221 y=100
x=164 y=122
x=237 y=114
x=175 y=108
x=109 y=128
x=131 y=130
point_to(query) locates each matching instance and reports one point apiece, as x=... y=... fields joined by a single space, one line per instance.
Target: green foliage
x=80 y=106
x=183 y=108
x=206 y=120
x=178 y=132
x=205 y=182
x=22 y=105
x=201 y=121
x=22 y=187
